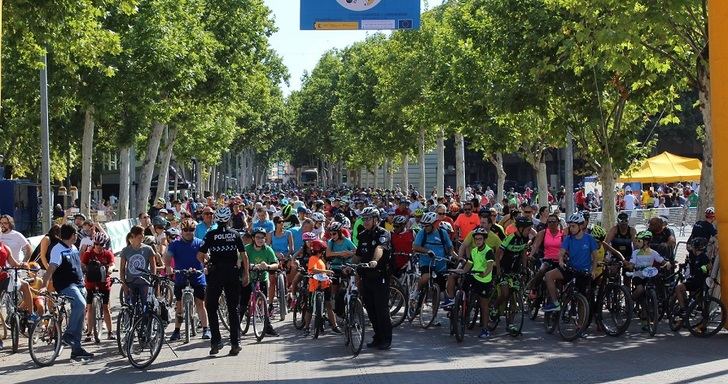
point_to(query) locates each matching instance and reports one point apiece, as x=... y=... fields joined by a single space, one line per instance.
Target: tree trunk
x=87 y=153
x=609 y=213
x=390 y=174
x=421 y=161
x=150 y=160
x=706 y=192
x=441 y=163
x=405 y=173
x=163 y=174
x=542 y=182
x=497 y=161
x=460 y=165
x=200 y=180
x=124 y=179
x=376 y=178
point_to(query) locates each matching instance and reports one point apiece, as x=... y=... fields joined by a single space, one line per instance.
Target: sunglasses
x=333 y=233
x=207 y=213
x=440 y=213
x=188 y=230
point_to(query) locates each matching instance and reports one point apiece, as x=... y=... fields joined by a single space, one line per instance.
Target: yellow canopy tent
x=665 y=168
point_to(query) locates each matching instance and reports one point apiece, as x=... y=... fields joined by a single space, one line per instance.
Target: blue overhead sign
x=360 y=14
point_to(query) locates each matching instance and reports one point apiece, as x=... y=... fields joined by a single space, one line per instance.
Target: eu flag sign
x=360 y=14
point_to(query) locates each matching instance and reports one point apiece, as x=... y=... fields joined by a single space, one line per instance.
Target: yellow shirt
x=600 y=259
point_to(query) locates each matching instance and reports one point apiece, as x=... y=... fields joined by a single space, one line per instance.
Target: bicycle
x=612 y=305
x=533 y=304
x=705 y=315
x=14 y=320
x=299 y=304
x=354 y=321
x=189 y=314
x=281 y=294
x=408 y=286
x=573 y=318
x=317 y=303
x=461 y=306
x=127 y=315
x=428 y=300
x=511 y=308
x=648 y=302
x=44 y=337
x=257 y=310
x=145 y=337
x=97 y=303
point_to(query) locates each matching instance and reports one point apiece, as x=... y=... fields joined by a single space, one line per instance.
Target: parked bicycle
x=189 y=314
x=573 y=318
x=44 y=337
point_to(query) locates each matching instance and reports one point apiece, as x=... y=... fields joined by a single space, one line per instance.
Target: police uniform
x=224 y=245
x=375 y=282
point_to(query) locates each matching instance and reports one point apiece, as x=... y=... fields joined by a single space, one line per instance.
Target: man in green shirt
x=262 y=259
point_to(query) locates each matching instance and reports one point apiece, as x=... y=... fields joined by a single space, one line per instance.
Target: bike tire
x=651 y=306
x=614 y=311
x=675 y=320
x=123 y=324
x=299 y=310
x=397 y=304
x=550 y=321
x=430 y=305
x=188 y=321
x=98 y=318
x=710 y=319
x=457 y=317
x=246 y=318
x=356 y=325
x=515 y=313
x=147 y=334
x=259 y=316
x=222 y=311
x=122 y=298
x=44 y=341
x=412 y=297
x=282 y=303
x=318 y=322
x=573 y=317
x=15 y=332
x=472 y=310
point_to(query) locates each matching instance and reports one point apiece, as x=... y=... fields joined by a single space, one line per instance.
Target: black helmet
x=339 y=217
x=699 y=243
x=623 y=216
x=523 y=222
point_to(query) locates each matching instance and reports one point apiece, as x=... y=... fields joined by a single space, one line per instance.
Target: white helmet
x=222 y=215
x=576 y=218
x=710 y=211
x=428 y=218
x=318 y=217
x=446 y=226
x=369 y=212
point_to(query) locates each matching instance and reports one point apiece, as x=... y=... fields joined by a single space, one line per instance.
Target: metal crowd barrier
x=680 y=218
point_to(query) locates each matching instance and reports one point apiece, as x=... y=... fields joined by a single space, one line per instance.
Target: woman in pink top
x=550 y=238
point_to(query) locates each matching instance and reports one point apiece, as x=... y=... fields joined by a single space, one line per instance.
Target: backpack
x=443 y=235
x=95 y=272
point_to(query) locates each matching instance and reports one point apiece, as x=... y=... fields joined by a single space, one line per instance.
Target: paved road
x=418 y=356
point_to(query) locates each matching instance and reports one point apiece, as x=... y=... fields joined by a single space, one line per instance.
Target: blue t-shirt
x=280 y=243
x=265 y=224
x=201 y=229
x=297 y=238
x=345 y=245
x=437 y=242
x=184 y=254
x=580 y=251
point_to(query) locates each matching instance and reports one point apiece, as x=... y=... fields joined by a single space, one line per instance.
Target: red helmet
x=317 y=246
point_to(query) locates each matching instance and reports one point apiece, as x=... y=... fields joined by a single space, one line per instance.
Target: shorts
x=694 y=284
x=4 y=284
x=440 y=279
x=199 y=291
x=327 y=295
x=484 y=290
x=105 y=294
x=583 y=279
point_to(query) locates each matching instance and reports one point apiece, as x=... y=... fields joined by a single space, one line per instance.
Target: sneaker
x=484 y=334
x=271 y=332
x=234 y=350
x=206 y=334
x=513 y=329
x=33 y=318
x=306 y=332
x=67 y=340
x=215 y=349
x=110 y=336
x=175 y=335
x=373 y=344
x=87 y=339
x=81 y=354
x=447 y=303
x=551 y=307
x=384 y=347
x=336 y=330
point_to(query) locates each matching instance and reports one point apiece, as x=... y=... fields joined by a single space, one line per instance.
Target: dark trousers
x=375 y=292
x=231 y=284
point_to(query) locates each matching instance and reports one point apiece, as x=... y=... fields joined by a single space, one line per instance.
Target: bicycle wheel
x=472 y=310
x=614 y=313
x=533 y=306
x=676 y=319
x=356 y=325
x=457 y=317
x=145 y=341
x=397 y=304
x=429 y=306
x=515 y=313
x=706 y=317
x=15 y=331
x=652 y=312
x=318 y=314
x=413 y=293
x=259 y=316
x=246 y=319
x=550 y=321
x=168 y=295
x=44 y=341
x=98 y=318
x=282 y=304
x=123 y=324
x=188 y=320
x=222 y=311
x=299 y=310
x=574 y=317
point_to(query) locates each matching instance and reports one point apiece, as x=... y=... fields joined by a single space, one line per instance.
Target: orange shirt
x=466 y=224
x=315 y=262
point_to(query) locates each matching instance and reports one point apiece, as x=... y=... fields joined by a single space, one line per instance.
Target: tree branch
x=686 y=70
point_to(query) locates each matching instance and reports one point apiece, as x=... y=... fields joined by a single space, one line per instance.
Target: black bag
x=95 y=272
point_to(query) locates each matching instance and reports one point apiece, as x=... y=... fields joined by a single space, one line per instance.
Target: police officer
x=226 y=253
x=374 y=249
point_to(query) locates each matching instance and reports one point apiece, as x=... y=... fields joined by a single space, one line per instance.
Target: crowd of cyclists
x=227 y=247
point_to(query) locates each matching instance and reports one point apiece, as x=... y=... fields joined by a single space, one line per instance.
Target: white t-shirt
x=86 y=241
x=15 y=241
x=628 y=202
x=642 y=261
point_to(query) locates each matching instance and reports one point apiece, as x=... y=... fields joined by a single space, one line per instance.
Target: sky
x=301 y=50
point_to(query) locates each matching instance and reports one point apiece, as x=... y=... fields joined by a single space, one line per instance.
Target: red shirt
x=106 y=258
x=4 y=256
x=402 y=211
x=402 y=247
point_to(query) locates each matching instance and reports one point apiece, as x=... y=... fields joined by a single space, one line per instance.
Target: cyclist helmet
x=598 y=232
x=428 y=218
x=523 y=222
x=699 y=243
x=369 y=212
x=399 y=220
x=317 y=246
x=479 y=231
x=286 y=211
x=318 y=217
x=709 y=211
x=576 y=218
x=644 y=235
x=308 y=236
x=101 y=238
x=223 y=215
x=623 y=217
x=339 y=217
x=444 y=225
x=258 y=230
x=159 y=221
x=188 y=224
x=346 y=223
x=173 y=233
x=419 y=212
x=335 y=226
x=498 y=207
x=150 y=241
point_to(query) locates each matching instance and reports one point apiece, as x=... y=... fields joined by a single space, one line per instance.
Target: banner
x=360 y=14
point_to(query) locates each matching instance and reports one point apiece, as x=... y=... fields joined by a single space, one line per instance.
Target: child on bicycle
x=481 y=263
x=317 y=265
x=643 y=257
x=698 y=267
